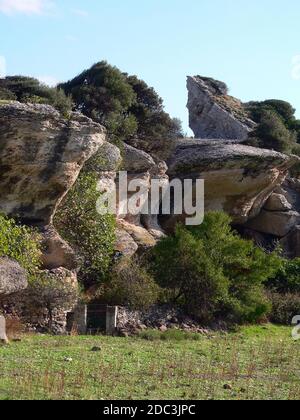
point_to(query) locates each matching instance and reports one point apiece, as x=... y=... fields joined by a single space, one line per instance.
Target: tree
x=103 y=94
x=28 y=89
x=278 y=128
x=92 y=235
x=212 y=272
x=125 y=105
x=153 y=122
x=51 y=293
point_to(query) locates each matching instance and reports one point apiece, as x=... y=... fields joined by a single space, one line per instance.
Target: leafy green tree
x=103 y=94
x=287 y=278
x=91 y=235
x=125 y=105
x=213 y=272
x=278 y=128
x=21 y=244
x=153 y=122
x=28 y=89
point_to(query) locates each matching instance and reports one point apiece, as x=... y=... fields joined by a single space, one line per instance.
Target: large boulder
x=238 y=179
x=56 y=251
x=41 y=155
x=276 y=223
x=13 y=277
x=213 y=114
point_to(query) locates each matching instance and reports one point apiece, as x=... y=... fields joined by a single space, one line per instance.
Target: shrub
x=284 y=307
x=131 y=285
x=51 y=293
x=287 y=278
x=92 y=235
x=277 y=128
x=212 y=272
x=28 y=89
x=21 y=244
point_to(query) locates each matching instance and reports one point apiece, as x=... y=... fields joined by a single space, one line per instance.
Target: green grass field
x=254 y=363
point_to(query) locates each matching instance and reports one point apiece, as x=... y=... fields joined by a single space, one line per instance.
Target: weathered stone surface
x=214 y=114
x=41 y=155
x=13 y=277
x=3 y=336
x=277 y=202
x=291 y=243
x=56 y=252
x=238 y=179
x=125 y=245
x=275 y=223
x=136 y=161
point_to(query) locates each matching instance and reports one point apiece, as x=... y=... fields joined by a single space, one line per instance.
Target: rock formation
x=41 y=155
x=13 y=277
x=213 y=113
x=238 y=179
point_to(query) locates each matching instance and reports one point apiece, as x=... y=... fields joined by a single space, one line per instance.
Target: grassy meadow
x=252 y=363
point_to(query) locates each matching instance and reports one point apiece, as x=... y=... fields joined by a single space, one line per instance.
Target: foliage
x=51 y=293
x=213 y=272
x=131 y=285
x=287 y=278
x=284 y=307
x=277 y=128
x=21 y=244
x=103 y=94
x=28 y=89
x=92 y=235
x=125 y=105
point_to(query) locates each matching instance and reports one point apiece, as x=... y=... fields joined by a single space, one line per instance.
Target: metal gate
x=96 y=318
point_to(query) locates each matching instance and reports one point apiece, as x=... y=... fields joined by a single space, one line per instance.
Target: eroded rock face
x=56 y=252
x=213 y=113
x=238 y=179
x=13 y=277
x=135 y=231
x=41 y=155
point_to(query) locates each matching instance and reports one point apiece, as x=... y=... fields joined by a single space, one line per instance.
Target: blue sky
x=253 y=46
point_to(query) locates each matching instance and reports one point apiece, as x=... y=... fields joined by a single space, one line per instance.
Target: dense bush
x=52 y=294
x=213 y=273
x=287 y=278
x=125 y=105
x=28 y=89
x=131 y=285
x=21 y=244
x=92 y=235
x=284 y=307
x=277 y=127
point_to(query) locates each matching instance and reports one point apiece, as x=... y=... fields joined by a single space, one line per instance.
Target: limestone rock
x=136 y=161
x=291 y=243
x=275 y=223
x=56 y=252
x=13 y=277
x=41 y=155
x=277 y=202
x=213 y=114
x=125 y=245
x=238 y=179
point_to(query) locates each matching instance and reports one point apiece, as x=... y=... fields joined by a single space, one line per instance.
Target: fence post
x=3 y=336
x=80 y=319
x=111 y=319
